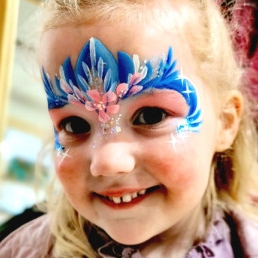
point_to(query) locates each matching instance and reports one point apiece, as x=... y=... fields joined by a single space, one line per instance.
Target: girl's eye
x=75 y=125
x=150 y=116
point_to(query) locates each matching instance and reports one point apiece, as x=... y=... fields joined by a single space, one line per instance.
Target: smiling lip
x=118 y=199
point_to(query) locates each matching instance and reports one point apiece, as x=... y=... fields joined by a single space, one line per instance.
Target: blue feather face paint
x=99 y=82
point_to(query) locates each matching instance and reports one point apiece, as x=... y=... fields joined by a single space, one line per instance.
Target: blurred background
x=24 y=123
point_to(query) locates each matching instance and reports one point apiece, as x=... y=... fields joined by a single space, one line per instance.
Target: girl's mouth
x=128 y=197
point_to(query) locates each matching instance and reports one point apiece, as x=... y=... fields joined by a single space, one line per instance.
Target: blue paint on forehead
x=97 y=68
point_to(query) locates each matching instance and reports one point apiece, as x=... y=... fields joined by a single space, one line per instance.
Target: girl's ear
x=229 y=119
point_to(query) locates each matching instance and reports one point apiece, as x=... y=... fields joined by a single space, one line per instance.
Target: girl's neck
x=178 y=240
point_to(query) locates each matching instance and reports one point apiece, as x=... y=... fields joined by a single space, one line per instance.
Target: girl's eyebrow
x=158 y=92
x=170 y=100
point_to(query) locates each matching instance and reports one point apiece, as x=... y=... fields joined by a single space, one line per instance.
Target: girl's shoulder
x=231 y=234
x=244 y=232
x=32 y=240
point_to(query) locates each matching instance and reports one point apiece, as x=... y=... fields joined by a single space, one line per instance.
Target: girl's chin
x=131 y=237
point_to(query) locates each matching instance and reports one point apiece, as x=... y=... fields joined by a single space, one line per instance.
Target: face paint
x=58 y=147
x=99 y=82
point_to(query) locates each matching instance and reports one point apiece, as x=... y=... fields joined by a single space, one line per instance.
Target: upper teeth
x=127 y=197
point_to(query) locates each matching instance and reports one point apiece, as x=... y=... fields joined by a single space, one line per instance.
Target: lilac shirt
x=230 y=235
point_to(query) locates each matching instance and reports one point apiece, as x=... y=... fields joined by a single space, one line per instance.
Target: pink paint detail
x=104 y=105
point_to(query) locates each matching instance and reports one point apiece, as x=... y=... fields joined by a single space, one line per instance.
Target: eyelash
x=150 y=115
x=75 y=125
x=147 y=116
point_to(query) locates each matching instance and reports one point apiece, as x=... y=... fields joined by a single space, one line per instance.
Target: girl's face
x=134 y=163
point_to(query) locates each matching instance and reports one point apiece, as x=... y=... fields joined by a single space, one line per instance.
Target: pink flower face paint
x=99 y=82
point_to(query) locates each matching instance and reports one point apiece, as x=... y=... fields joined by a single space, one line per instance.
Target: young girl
x=155 y=143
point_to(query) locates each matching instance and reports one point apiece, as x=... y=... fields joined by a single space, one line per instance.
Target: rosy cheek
x=72 y=176
x=172 y=168
x=64 y=170
x=175 y=175
x=68 y=169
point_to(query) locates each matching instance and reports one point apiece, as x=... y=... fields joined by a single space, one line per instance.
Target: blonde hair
x=233 y=172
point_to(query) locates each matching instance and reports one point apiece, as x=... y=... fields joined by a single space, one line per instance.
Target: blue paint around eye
x=58 y=146
x=96 y=68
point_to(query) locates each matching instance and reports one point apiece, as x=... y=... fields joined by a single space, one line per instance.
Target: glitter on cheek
x=63 y=155
x=179 y=138
x=61 y=151
x=178 y=135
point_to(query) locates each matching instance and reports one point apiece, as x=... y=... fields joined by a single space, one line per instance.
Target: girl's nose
x=112 y=158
